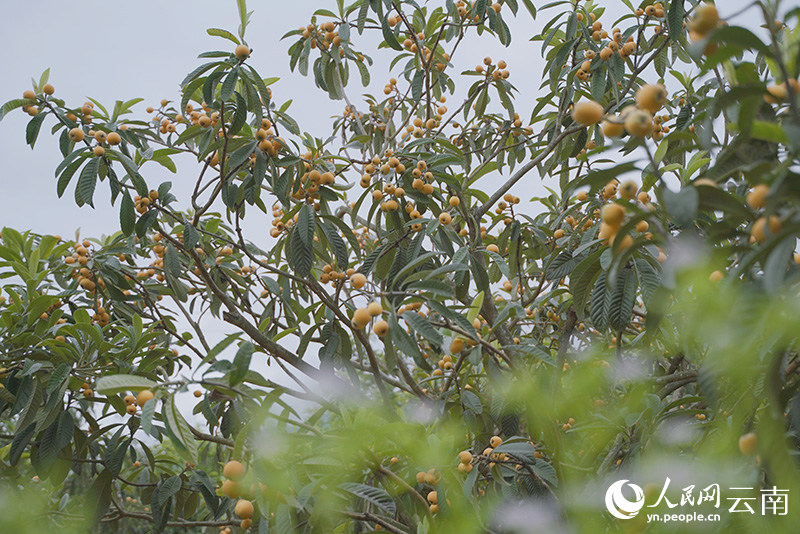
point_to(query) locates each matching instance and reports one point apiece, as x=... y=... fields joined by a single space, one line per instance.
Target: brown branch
x=366 y=516
x=563 y=346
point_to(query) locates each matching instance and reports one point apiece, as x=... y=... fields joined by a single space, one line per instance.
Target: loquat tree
x=411 y=346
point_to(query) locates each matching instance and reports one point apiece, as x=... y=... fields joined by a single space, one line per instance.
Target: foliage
x=412 y=308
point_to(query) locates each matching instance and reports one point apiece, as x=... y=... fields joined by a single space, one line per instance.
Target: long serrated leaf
x=225 y=34
x=376 y=496
x=423 y=327
x=241 y=363
x=32 y=130
x=305 y=224
x=84 y=191
x=111 y=384
x=179 y=427
x=127 y=214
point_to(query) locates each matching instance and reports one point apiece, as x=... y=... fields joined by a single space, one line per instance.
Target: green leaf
x=180 y=428
x=32 y=130
x=597 y=179
x=649 y=278
x=369 y=261
x=127 y=214
x=148 y=413
x=239 y=116
x=777 y=264
x=241 y=363
x=388 y=34
x=675 y=19
x=66 y=176
x=416 y=84
x=681 y=205
x=244 y=16
x=530 y=7
x=581 y=280
x=305 y=224
x=99 y=496
x=66 y=427
x=172 y=264
x=518 y=447
x=132 y=170
x=84 y=191
x=338 y=246
x=661 y=151
x=737 y=38
x=283 y=520
x=14 y=104
x=111 y=384
x=20 y=441
x=207 y=488
x=598 y=311
x=469 y=482
x=57 y=378
x=225 y=34
x=406 y=344
x=299 y=254
x=768 y=131
x=190 y=235
x=145 y=222
x=684 y=118
x=423 y=327
x=161 y=501
x=229 y=84
x=165 y=490
x=376 y=496
x=622 y=300
x=472 y=401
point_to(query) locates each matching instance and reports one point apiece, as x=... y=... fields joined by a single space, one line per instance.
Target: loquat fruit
x=639 y=123
x=381 y=328
x=587 y=113
x=244 y=509
x=757 y=198
x=242 y=52
x=77 y=135
x=651 y=97
x=144 y=396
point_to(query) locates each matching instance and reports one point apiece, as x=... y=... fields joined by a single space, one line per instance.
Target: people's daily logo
x=618 y=505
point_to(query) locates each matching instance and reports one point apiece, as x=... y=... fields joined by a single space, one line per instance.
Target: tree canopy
x=413 y=342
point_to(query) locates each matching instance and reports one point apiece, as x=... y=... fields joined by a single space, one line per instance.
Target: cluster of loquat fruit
x=311 y=181
x=87 y=390
x=464 y=9
x=47 y=90
x=612 y=215
x=142 y=204
x=324 y=36
x=430 y=479
x=232 y=487
x=101 y=137
x=705 y=20
x=637 y=121
x=141 y=398
x=362 y=316
x=418 y=126
x=495 y=72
